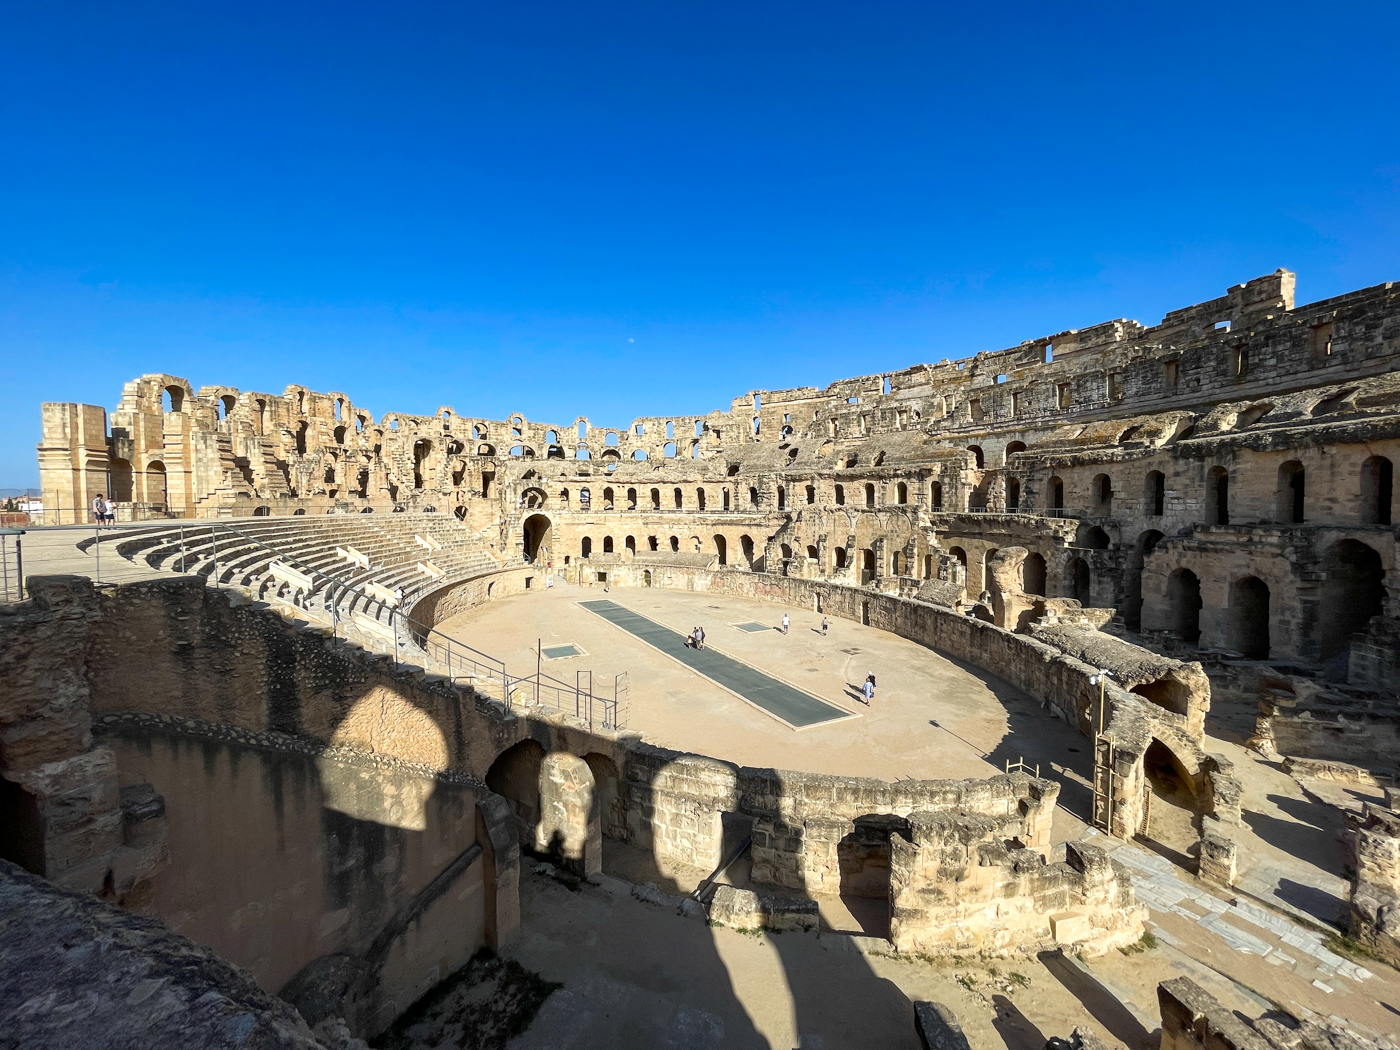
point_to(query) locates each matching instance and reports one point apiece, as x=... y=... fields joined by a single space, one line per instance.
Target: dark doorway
x=1218 y=496
x=863 y=856
x=1033 y=575
x=1249 y=618
x=1077 y=575
x=1353 y=593
x=1292 y=492
x=515 y=775
x=1184 y=600
x=1377 y=487
x=537 y=537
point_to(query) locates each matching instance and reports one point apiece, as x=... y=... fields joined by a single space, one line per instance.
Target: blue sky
x=637 y=209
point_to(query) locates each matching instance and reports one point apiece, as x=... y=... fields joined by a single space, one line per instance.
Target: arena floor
x=932 y=717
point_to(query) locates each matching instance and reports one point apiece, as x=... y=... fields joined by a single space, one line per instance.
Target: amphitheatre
x=389 y=727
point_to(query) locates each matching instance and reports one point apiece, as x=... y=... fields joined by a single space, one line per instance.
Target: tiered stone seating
x=295 y=559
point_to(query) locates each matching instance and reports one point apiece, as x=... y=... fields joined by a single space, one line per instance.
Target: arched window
x=631 y=544
x=753 y=496
x=722 y=550
x=1013 y=494
x=978 y=459
x=869 y=494
x=782 y=498
x=675 y=544
x=1057 y=494
x=1103 y=495
x=607 y=545
x=1377 y=484
x=655 y=499
x=652 y=543
x=935 y=495
x=585 y=549
x=1353 y=593
x=840 y=495
x=1033 y=574
x=608 y=499
x=631 y=499
x=1249 y=618
x=1078 y=579
x=811 y=494
x=678 y=498
x=901 y=493
x=699 y=499
x=1218 y=496
x=1291 y=493
x=1155 y=494
x=1013 y=448
x=1184 y=603
x=839 y=556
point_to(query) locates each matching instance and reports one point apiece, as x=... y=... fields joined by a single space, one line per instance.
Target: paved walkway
x=784 y=702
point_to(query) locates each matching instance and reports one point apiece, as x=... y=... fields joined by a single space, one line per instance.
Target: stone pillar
x=500 y=855
x=73 y=461
x=1219 y=858
x=569 y=828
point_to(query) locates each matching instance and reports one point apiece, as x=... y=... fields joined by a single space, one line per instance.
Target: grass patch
x=1346 y=944
x=1020 y=980
x=1144 y=943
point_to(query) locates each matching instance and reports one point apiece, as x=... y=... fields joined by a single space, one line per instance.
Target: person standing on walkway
x=825 y=624
x=398 y=597
x=785 y=623
x=868 y=689
x=109 y=511
x=99 y=509
x=699 y=637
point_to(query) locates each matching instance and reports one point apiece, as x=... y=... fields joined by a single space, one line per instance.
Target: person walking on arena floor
x=786 y=622
x=825 y=624
x=699 y=637
x=868 y=689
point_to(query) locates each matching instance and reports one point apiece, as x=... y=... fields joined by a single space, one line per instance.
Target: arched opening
x=630 y=545
x=935 y=495
x=721 y=550
x=753 y=496
x=1132 y=578
x=867 y=565
x=978 y=459
x=863 y=860
x=669 y=451
x=1079 y=580
x=1353 y=593
x=724 y=497
x=1155 y=494
x=156 y=483
x=261 y=512
x=901 y=493
x=174 y=399
x=675 y=544
x=301 y=438
x=699 y=499
x=678 y=498
x=1057 y=494
x=1094 y=538
x=782 y=498
x=1013 y=494
x=607 y=545
x=869 y=495
x=840 y=495
x=1102 y=487
x=961 y=556
x=121 y=481
x=1013 y=448
x=811 y=494
x=579 y=453
x=746 y=549
x=838 y=555
x=339 y=434
x=1033 y=574
x=639 y=454
x=421 y=450
x=653 y=544
x=1174 y=806
x=1377 y=486
x=608 y=499
x=811 y=552
x=1184 y=605
x=987 y=568
x=515 y=776
x=1249 y=617
x=585 y=547
x=1291 y=492
x=537 y=537
x=1218 y=496
x=631 y=499
x=228 y=402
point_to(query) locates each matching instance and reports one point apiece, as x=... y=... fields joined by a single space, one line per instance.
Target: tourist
x=692 y=640
x=109 y=511
x=825 y=624
x=398 y=597
x=699 y=637
x=785 y=623
x=869 y=689
x=99 y=509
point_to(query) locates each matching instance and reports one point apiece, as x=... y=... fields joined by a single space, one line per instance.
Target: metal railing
x=11 y=565
x=440 y=653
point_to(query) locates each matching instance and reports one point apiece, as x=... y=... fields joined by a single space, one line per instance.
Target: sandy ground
x=932 y=717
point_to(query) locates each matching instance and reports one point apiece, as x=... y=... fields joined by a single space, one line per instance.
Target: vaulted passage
x=1249 y=617
x=1353 y=593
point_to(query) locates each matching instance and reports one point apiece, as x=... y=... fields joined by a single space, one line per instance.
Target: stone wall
x=1375 y=896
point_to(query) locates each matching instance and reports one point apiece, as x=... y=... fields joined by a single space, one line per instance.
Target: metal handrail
x=486 y=674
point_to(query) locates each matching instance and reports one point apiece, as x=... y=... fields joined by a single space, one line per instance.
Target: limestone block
x=747 y=910
x=1219 y=858
x=1070 y=927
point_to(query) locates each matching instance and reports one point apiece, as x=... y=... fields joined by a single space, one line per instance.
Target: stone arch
x=1218 y=496
x=538 y=530
x=1249 y=617
x=1132 y=577
x=1057 y=493
x=721 y=549
x=515 y=776
x=1079 y=580
x=1292 y=492
x=1184 y=605
x=1154 y=494
x=979 y=460
x=568 y=831
x=1033 y=574
x=1377 y=490
x=1102 y=490
x=1353 y=593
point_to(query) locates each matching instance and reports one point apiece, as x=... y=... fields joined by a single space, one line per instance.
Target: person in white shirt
x=785 y=623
